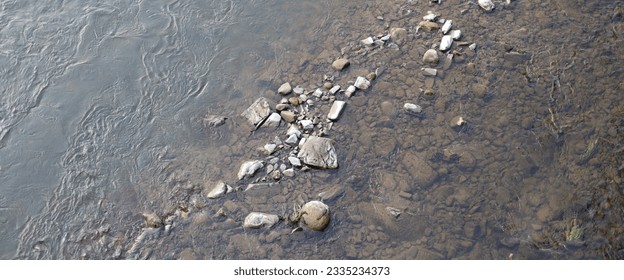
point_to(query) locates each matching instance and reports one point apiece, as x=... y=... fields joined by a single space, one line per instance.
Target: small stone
x=430 y=72
x=328 y=85
x=412 y=108
x=447 y=26
x=340 y=64
x=281 y=107
x=294 y=161
x=368 y=41
x=293 y=130
x=292 y=140
x=315 y=215
x=334 y=89
x=350 y=90
x=336 y=110
x=487 y=5
x=398 y=34
x=288 y=116
x=219 y=190
x=472 y=46
x=393 y=211
x=317 y=93
x=428 y=25
x=306 y=124
x=457 y=121
x=371 y=76
x=431 y=57
x=284 y=89
x=258 y=111
x=298 y=90
x=276 y=175
x=289 y=172
x=446 y=42
x=273 y=120
x=213 y=120
x=259 y=220
x=152 y=220
x=456 y=34
x=294 y=101
x=319 y=152
x=361 y=83
x=430 y=16
x=248 y=168
x=332 y=193
x=270 y=148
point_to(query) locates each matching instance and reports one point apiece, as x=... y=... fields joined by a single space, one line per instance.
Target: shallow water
x=101 y=121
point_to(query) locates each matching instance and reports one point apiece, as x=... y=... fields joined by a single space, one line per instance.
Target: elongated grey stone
x=336 y=110
x=259 y=220
x=446 y=42
x=258 y=111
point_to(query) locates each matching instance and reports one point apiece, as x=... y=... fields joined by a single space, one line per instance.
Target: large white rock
x=336 y=110
x=259 y=220
x=315 y=215
x=248 y=168
x=219 y=190
x=361 y=83
x=446 y=42
x=259 y=110
x=318 y=152
x=447 y=26
x=487 y=5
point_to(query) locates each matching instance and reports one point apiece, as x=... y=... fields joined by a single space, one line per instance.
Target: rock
x=393 y=211
x=281 y=107
x=259 y=220
x=368 y=41
x=431 y=57
x=472 y=46
x=428 y=25
x=288 y=116
x=315 y=215
x=430 y=16
x=270 y=148
x=456 y=34
x=219 y=190
x=293 y=130
x=258 y=111
x=340 y=64
x=152 y=220
x=332 y=193
x=289 y=172
x=447 y=26
x=430 y=72
x=276 y=175
x=273 y=120
x=446 y=42
x=328 y=85
x=284 y=89
x=319 y=152
x=294 y=100
x=371 y=76
x=487 y=5
x=248 y=168
x=294 y=161
x=298 y=90
x=336 y=110
x=292 y=140
x=412 y=108
x=213 y=120
x=457 y=121
x=350 y=90
x=398 y=34
x=361 y=83
x=388 y=109
x=334 y=89
x=306 y=124
x=422 y=173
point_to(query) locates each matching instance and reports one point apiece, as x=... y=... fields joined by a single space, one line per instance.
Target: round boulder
x=431 y=57
x=315 y=215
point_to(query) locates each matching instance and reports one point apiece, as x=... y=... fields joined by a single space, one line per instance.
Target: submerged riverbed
x=101 y=123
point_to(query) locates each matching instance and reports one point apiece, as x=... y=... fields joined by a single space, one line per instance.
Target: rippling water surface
x=101 y=122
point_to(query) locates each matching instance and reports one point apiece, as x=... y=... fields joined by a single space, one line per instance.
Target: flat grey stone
x=258 y=111
x=219 y=190
x=319 y=152
x=248 y=168
x=294 y=161
x=446 y=42
x=260 y=220
x=284 y=89
x=361 y=83
x=336 y=110
x=340 y=63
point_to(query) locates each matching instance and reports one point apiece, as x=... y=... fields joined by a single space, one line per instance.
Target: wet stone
x=258 y=111
x=447 y=26
x=431 y=57
x=260 y=220
x=412 y=108
x=218 y=191
x=422 y=173
x=334 y=89
x=340 y=64
x=315 y=215
x=298 y=90
x=288 y=116
x=213 y=120
x=457 y=121
x=487 y=5
x=152 y=220
x=368 y=41
x=350 y=91
x=248 y=168
x=294 y=100
x=289 y=172
x=428 y=25
x=273 y=120
x=336 y=110
x=431 y=72
x=361 y=83
x=332 y=193
x=456 y=34
x=284 y=89
x=294 y=161
x=446 y=42
x=281 y=107
x=393 y=211
x=319 y=152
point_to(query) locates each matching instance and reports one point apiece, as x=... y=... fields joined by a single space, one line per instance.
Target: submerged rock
x=315 y=215
x=361 y=83
x=284 y=89
x=258 y=111
x=259 y=220
x=219 y=190
x=319 y=152
x=412 y=108
x=248 y=168
x=336 y=110
x=431 y=57
x=152 y=220
x=213 y=120
x=340 y=64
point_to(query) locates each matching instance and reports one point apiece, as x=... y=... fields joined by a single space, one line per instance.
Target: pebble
x=319 y=152
x=457 y=121
x=431 y=57
x=428 y=25
x=292 y=140
x=473 y=46
x=288 y=116
x=294 y=161
x=273 y=120
x=298 y=90
x=398 y=34
x=334 y=89
x=430 y=16
x=336 y=110
x=328 y=85
x=368 y=41
x=361 y=83
x=259 y=220
x=456 y=34
x=284 y=89
x=447 y=26
x=341 y=63
x=293 y=130
x=213 y=120
x=248 y=168
x=371 y=76
x=276 y=175
x=393 y=211
x=289 y=172
x=152 y=220
x=446 y=42
x=430 y=71
x=281 y=107
x=258 y=110
x=487 y=5
x=315 y=215
x=294 y=100
x=350 y=90
x=317 y=93
x=332 y=193
x=412 y=108
x=270 y=148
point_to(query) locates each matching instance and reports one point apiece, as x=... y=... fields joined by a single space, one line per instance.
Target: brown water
x=115 y=131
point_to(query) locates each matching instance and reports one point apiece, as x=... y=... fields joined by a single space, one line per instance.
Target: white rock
x=487 y=5
x=319 y=152
x=446 y=42
x=270 y=148
x=259 y=220
x=350 y=90
x=318 y=92
x=447 y=26
x=336 y=110
x=289 y=172
x=393 y=211
x=412 y=108
x=273 y=120
x=219 y=190
x=248 y=168
x=430 y=16
x=284 y=89
x=368 y=41
x=430 y=71
x=298 y=90
x=361 y=83
x=334 y=89
x=306 y=124
x=293 y=130
x=431 y=57
x=294 y=161
x=292 y=139
x=456 y=34
x=315 y=215
x=259 y=110
x=457 y=121
x=472 y=46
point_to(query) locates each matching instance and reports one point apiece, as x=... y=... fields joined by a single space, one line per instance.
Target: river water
x=101 y=122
